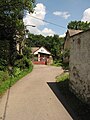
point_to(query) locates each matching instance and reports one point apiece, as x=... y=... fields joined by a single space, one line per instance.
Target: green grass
x=63 y=77
x=57 y=63
x=80 y=109
x=12 y=80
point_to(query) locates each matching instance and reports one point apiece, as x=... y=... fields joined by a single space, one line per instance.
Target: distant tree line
x=79 y=25
x=53 y=43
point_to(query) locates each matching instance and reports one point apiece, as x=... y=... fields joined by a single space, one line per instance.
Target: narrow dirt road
x=31 y=98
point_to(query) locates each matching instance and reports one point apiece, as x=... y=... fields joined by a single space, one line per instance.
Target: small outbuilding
x=41 y=56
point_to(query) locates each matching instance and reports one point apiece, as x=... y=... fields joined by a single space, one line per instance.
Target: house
x=69 y=33
x=41 y=56
x=80 y=65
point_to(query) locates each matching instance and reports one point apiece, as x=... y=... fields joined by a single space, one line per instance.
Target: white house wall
x=42 y=50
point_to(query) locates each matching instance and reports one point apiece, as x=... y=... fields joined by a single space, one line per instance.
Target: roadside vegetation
x=77 y=109
x=8 y=77
x=7 y=81
x=58 y=63
x=14 y=63
x=64 y=76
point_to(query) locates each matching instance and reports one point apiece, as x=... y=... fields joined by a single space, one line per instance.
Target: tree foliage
x=79 y=25
x=53 y=44
x=11 y=27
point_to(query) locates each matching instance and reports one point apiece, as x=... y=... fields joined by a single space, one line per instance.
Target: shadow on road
x=77 y=109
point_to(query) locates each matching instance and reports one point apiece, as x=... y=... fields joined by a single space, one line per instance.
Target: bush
x=57 y=63
x=16 y=71
x=4 y=75
x=23 y=63
x=63 y=77
x=65 y=66
x=3 y=65
x=12 y=80
x=27 y=52
x=19 y=56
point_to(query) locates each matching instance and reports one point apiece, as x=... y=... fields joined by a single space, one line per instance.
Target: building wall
x=67 y=43
x=80 y=65
x=66 y=48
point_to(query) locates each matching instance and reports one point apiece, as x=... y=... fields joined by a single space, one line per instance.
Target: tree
x=56 y=47
x=53 y=44
x=11 y=25
x=79 y=25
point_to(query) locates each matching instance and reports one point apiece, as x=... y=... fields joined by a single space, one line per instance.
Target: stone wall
x=80 y=65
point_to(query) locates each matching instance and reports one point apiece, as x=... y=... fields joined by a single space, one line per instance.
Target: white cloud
x=86 y=15
x=63 y=35
x=64 y=15
x=39 y=12
x=47 y=32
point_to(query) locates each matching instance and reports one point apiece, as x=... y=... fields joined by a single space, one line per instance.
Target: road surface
x=31 y=98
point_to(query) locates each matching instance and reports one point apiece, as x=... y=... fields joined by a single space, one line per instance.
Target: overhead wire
x=48 y=22
x=4 y=115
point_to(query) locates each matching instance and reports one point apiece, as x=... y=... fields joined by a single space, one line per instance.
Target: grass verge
x=65 y=66
x=78 y=108
x=12 y=80
x=63 y=77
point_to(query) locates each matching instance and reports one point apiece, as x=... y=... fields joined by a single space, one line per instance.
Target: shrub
x=65 y=66
x=63 y=77
x=19 y=56
x=57 y=63
x=16 y=71
x=27 y=52
x=4 y=75
x=12 y=80
x=23 y=63
x=3 y=64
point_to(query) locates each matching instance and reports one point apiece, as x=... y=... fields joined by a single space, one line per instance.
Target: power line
x=49 y=22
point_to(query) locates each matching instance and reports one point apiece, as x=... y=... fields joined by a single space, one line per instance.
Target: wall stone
x=80 y=65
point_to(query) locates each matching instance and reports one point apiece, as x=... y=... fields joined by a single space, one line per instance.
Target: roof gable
x=72 y=32
x=42 y=50
x=34 y=49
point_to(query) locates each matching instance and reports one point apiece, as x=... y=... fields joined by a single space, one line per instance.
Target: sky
x=57 y=13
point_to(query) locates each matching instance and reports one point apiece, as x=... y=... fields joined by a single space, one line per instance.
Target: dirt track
x=31 y=98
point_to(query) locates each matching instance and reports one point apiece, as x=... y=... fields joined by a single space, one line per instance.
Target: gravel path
x=31 y=98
